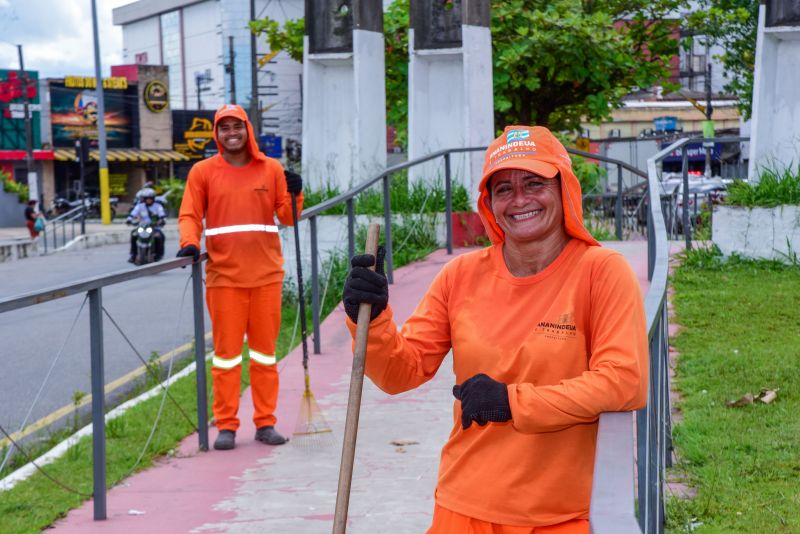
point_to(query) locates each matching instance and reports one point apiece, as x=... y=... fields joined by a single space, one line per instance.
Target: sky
x=56 y=36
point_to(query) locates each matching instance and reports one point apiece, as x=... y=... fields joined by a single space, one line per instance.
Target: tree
x=733 y=25
x=560 y=62
x=556 y=62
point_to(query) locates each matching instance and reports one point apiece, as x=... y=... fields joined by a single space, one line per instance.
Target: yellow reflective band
x=263 y=359
x=224 y=363
x=242 y=228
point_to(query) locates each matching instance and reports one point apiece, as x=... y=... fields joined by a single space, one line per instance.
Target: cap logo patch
x=517 y=135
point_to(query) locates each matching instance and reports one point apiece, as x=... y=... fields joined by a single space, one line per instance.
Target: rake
x=311 y=430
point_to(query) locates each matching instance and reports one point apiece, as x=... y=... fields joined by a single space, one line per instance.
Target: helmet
x=147 y=193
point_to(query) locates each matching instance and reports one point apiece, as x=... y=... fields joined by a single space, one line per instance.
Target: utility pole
x=197 y=77
x=230 y=68
x=105 y=208
x=708 y=124
x=34 y=192
x=255 y=113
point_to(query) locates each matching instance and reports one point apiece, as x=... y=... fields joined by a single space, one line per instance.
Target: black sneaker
x=226 y=440
x=132 y=259
x=270 y=436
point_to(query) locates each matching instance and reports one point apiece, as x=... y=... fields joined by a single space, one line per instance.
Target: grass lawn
x=741 y=333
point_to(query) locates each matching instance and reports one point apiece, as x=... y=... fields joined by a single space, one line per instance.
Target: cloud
x=56 y=35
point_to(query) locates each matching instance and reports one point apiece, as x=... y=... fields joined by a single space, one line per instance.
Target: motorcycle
x=61 y=205
x=145 y=243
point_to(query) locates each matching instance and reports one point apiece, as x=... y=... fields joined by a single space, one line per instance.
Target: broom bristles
x=311 y=431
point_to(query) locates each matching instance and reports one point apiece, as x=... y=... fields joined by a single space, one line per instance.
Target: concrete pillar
x=450 y=99
x=344 y=93
x=775 y=134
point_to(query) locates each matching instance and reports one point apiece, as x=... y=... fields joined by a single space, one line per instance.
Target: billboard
x=73 y=112
x=193 y=133
x=13 y=91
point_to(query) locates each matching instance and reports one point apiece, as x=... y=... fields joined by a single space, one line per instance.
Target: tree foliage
x=556 y=62
x=733 y=25
x=560 y=62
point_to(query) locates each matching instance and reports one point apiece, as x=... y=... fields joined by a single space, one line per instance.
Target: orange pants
x=448 y=522
x=256 y=313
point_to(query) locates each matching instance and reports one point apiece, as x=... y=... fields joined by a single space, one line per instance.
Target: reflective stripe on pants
x=236 y=312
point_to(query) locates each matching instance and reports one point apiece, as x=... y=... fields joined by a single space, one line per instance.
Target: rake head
x=311 y=430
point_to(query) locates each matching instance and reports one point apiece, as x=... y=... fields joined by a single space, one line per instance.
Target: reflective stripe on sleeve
x=226 y=363
x=242 y=228
x=263 y=359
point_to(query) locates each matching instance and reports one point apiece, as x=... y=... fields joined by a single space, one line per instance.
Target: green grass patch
x=741 y=333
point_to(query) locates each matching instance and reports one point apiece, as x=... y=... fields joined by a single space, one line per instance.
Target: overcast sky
x=56 y=36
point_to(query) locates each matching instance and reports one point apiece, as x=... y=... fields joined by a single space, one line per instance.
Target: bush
x=773 y=189
x=12 y=186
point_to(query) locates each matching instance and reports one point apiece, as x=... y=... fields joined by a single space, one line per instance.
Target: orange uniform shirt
x=229 y=196
x=569 y=341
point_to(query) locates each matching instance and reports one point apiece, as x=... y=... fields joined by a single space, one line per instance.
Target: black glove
x=189 y=250
x=483 y=399
x=293 y=182
x=363 y=285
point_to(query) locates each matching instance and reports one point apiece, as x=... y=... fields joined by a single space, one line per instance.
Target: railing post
x=651 y=238
x=448 y=202
x=315 y=284
x=351 y=231
x=687 y=231
x=618 y=211
x=44 y=238
x=98 y=403
x=387 y=223
x=200 y=355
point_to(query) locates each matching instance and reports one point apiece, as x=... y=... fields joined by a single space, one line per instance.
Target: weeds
x=773 y=189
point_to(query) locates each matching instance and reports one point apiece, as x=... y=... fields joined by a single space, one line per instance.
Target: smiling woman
x=547 y=331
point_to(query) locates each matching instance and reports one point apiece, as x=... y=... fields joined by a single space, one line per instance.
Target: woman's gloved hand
x=483 y=399
x=294 y=183
x=366 y=286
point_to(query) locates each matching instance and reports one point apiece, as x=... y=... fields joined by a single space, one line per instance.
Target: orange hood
x=534 y=149
x=233 y=110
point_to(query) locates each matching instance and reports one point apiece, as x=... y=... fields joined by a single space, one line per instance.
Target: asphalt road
x=148 y=310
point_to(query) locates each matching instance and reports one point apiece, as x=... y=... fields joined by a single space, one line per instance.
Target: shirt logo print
x=562 y=329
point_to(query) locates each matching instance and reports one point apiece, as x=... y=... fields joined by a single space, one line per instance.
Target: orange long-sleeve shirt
x=228 y=196
x=570 y=342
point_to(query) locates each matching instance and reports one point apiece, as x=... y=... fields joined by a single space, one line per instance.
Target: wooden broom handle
x=354 y=399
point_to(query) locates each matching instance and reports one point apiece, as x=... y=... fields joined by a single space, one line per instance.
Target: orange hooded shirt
x=240 y=203
x=569 y=342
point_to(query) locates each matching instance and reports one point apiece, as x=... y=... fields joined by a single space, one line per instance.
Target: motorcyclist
x=148 y=211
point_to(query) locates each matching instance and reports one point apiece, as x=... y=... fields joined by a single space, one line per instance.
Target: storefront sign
x=73 y=113
x=14 y=90
x=193 y=133
x=90 y=82
x=156 y=97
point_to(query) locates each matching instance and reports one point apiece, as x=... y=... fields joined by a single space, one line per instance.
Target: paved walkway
x=290 y=489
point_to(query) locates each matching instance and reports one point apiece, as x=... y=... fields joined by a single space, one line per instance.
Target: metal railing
x=613 y=501
x=58 y=225
x=348 y=198
x=93 y=287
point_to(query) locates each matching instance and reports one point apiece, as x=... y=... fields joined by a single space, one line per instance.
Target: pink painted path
x=288 y=489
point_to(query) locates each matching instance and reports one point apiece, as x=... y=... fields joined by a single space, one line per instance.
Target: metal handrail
x=94 y=286
x=71 y=216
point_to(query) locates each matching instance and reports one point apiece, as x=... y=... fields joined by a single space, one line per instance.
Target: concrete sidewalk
x=288 y=489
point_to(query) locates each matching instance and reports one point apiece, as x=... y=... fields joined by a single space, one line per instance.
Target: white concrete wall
x=141 y=36
x=344 y=114
x=770 y=233
x=370 y=103
x=202 y=34
x=775 y=140
x=451 y=104
x=478 y=97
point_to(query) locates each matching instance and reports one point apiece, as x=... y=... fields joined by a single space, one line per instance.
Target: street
x=147 y=310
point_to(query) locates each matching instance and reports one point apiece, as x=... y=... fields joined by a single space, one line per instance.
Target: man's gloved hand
x=363 y=285
x=129 y=222
x=189 y=250
x=483 y=399
x=293 y=182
